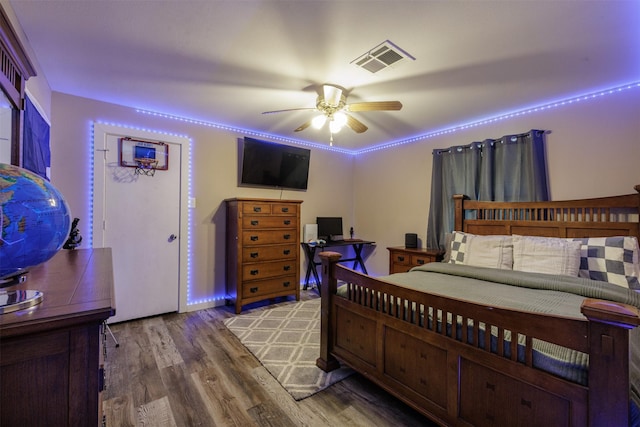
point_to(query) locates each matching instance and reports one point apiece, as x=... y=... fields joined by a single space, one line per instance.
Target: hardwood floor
x=189 y=370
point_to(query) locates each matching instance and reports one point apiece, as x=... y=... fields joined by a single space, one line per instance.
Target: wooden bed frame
x=454 y=382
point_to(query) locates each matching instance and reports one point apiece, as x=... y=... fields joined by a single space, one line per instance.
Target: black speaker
x=411 y=240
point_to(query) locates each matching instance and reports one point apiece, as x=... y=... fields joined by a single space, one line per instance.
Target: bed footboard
x=385 y=333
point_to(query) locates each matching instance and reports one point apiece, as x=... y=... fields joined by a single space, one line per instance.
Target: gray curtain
x=511 y=169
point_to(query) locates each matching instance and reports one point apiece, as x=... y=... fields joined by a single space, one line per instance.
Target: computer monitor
x=329 y=228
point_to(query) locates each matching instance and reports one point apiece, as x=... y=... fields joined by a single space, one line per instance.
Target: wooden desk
x=310 y=252
x=50 y=355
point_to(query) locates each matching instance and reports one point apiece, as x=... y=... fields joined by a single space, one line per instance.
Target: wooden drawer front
x=357 y=335
x=268 y=269
x=257 y=222
x=256 y=208
x=488 y=398
x=269 y=253
x=268 y=237
x=284 y=209
x=269 y=286
x=401 y=258
x=417 y=365
x=420 y=260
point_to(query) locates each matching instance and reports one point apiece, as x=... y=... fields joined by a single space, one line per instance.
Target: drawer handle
x=287 y=221
x=286 y=284
x=287 y=236
x=254 y=238
x=490 y=386
x=400 y=258
x=525 y=402
x=257 y=209
x=254 y=222
x=254 y=272
x=253 y=290
x=286 y=252
x=287 y=267
x=254 y=255
x=285 y=209
x=420 y=261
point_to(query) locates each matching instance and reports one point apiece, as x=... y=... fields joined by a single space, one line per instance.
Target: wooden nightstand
x=402 y=259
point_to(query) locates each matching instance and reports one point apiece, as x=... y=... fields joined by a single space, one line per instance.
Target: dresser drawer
x=268 y=237
x=269 y=286
x=256 y=208
x=269 y=253
x=257 y=222
x=284 y=209
x=401 y=259
x=268 y=269
x=421 y=259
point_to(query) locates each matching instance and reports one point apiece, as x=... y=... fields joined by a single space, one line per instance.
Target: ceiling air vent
x=380 y=57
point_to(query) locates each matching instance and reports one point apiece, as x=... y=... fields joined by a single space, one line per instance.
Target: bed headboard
x=599 y=217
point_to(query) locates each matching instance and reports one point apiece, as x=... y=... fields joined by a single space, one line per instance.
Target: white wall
x=593 y=149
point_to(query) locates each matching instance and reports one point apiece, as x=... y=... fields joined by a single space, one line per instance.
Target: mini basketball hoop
x=145 y=156
x=146 y=166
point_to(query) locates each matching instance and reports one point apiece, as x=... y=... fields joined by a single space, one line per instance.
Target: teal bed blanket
x=531 y=292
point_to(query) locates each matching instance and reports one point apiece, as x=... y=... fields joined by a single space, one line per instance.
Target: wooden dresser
x=263 y=249
x=402 y=259
x=51 y=355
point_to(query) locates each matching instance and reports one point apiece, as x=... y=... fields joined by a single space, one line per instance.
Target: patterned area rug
x=286 y=340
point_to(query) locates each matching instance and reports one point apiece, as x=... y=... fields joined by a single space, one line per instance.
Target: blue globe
x=34 y=219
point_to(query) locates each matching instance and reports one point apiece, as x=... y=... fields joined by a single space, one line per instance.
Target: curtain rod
x=475 y=143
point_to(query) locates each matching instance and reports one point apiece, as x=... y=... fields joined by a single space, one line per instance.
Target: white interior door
x=142 y=224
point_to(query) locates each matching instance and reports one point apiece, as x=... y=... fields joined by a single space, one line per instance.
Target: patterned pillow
x=458 y=247
x=610 y=259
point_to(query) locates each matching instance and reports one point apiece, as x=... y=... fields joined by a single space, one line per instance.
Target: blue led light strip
x=189 y=190
x=452 y=129
x=506 y=116
x=245 y=131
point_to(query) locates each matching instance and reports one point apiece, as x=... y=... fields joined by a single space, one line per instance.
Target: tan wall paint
x=215 y=163
x=593 y=149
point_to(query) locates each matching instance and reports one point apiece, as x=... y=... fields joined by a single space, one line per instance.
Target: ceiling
x=227 y=61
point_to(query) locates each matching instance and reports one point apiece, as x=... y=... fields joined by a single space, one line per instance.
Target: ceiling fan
x=333 y=108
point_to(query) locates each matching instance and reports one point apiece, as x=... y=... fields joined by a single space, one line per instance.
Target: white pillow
x=489 y=251
x=548 y=255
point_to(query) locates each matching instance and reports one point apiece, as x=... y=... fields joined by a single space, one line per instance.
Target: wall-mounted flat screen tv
x=268 y=164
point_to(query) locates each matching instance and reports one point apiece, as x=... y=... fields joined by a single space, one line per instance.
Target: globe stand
x=18 y=300
x=13 y=280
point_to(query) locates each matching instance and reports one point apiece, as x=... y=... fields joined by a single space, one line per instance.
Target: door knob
x=172 y=238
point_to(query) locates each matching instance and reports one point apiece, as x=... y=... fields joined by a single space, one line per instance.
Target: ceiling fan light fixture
x=318 y=121
x=334 y=126
x=340 y=118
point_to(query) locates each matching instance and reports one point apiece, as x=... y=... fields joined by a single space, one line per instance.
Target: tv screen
x=274 y=165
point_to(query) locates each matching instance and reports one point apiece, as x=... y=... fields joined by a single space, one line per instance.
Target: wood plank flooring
x=189 y=370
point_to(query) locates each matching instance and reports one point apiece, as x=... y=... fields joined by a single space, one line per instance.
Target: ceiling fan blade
x=375 y=106
x=303 y=126
x=289 y=109
x=332 y=95
x=355 y=124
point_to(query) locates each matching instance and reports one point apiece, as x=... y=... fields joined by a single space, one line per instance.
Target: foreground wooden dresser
x=51 y=355
x=263 y=249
